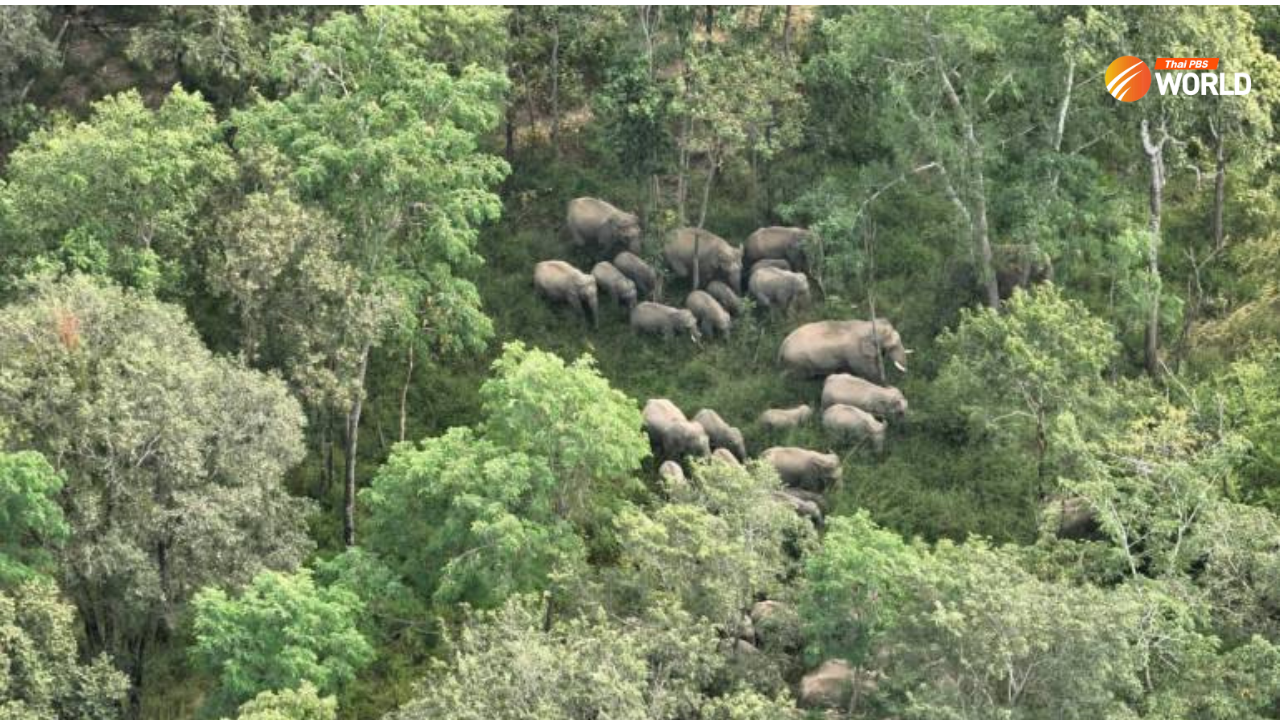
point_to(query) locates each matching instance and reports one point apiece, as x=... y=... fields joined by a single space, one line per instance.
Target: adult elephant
x=717 y=259
x=782 y=289
x=672 y=434
x=845 y=389
x=594 y=222
x=620 y=287
x=779 y=243
x=722 y=434
x=832 y=346
x=638 y=271
x=560 y=282
x=664 y=320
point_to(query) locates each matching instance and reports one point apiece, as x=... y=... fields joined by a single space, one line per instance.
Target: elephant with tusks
x=596 y=224
x=774 y=288
x=802 y=468
x=610 y=279
x=850 y=423
x=713 y=320
x=785 y=418
x=560 y=282
x=725 y=295
x=846 y=389
x=637 y=271
x=717 y=259
x=664 y=320
x=860 y=347
x=673 y=435
x=722 y=434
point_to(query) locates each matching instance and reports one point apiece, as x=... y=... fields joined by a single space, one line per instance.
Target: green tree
x=41 y=674
x=125 y=194
x=279 y=632
x=1019 y=370
x=26 y=53
x=31 y=522
x=384 y=138
x=304 y=703
x=173 y=458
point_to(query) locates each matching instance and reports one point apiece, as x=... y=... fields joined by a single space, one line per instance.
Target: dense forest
x=641 y=363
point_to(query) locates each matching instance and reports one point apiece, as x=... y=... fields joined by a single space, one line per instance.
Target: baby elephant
x=777 y=419
x=846 y=389
x=612 y=281
x=672 y=434
x=722 y=434
x=651 y=317
x=725 y=295
x=638 y=271
x=851 y=423
x=725 y=457
x=781 y=289
x=805 y=469
x=672 y=475
x=558 y=281
x=712 y=319
x=771 y=263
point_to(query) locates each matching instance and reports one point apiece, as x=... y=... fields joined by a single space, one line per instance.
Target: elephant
x=717 y=259
x=779 y=243
x=1020 y=266
x=1076 y=519
x=595 y=222
x=672 y=435
x=558 y=281
x=639 y=272
x=612 y=281
x=712 y=319
x=665 y=320
x=846 y=389
x=833 y=683
x=672 y=474
x=768 y=263
x=803 y=508
x=805 y=469
x=782 y=289
x=725 y=457
x=722 y=434
x=777 y=626
x=725 y=295
x=777 y=419
x=832 y=346
x=849 y=422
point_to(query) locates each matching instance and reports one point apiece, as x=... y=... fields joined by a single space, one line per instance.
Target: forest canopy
x=637 y=362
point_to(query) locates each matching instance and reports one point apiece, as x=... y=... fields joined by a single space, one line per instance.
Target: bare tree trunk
x=352 y=448
x=786 y=33
x=1219 y=188
x=404 y=394
x=555 y=85
x=1155 y=157
x=510 y=150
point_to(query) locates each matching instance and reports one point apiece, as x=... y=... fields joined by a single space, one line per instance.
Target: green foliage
x=304 y=703
x=124 y=195
x=41 y=675
x=281 y=631
x=31 y=522
x=1251 y=391
x=173 y=457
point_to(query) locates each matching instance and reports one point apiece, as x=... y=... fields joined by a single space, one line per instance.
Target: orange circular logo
x=1128 y=78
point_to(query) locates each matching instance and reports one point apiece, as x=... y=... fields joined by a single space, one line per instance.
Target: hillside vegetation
x=290 y=431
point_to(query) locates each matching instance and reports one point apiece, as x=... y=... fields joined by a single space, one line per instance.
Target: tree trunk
x=404 y=394
x=1219 y=189
x=1155 y=158
x=352 y=448
x=510 y=150
x=555 y=86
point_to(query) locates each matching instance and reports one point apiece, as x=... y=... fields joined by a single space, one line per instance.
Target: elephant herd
x=772 y=261
x=851 y=355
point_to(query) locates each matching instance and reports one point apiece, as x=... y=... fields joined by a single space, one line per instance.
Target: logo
x=1128 y=78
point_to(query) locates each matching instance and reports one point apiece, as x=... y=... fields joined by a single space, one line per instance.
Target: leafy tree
x=41 y=675
x=280 y=632
x=304 y=703
x=26 y=52
x=1023 y=368
x=124 y=194
x=31 y=523
x=173 y=458
x=385 y=139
